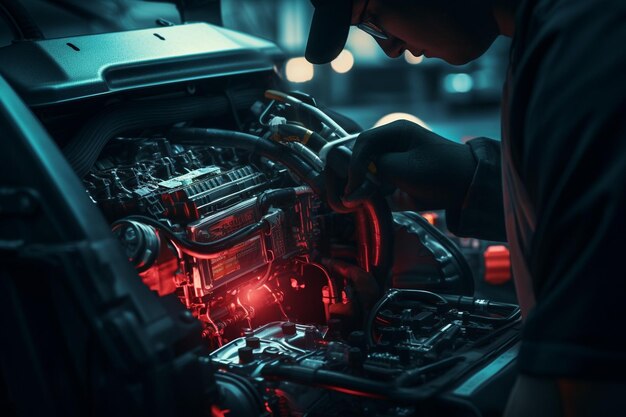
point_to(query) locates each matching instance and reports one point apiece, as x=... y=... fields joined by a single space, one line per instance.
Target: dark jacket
x=563 y=176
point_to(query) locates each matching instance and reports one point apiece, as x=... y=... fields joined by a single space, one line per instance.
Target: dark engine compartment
x=269 y=295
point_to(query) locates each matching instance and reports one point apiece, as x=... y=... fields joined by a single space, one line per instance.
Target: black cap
x=253 y=342
x=246 y=354
x=329 y=30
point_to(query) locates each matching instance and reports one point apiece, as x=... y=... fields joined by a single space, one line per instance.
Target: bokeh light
x=363 y=46
x=458 y=83
x=299 y=70
x=392 y=117
x=344 y=62
x=412 y=59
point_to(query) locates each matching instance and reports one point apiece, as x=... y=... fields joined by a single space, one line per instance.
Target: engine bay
x=226 y=200
x=279 y=280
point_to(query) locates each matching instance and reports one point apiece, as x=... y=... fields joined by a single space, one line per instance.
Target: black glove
x=432 y=170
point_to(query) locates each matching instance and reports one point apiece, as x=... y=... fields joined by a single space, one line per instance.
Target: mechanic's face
x=456 y=31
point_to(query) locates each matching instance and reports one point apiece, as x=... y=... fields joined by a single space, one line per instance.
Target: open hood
x=86 y=66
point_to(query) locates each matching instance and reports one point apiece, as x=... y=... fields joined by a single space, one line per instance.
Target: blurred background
x=458 y=102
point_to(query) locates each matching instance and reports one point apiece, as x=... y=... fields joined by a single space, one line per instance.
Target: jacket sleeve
x=482 y=213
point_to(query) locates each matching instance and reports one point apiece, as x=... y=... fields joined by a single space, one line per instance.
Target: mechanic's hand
x=434 y=171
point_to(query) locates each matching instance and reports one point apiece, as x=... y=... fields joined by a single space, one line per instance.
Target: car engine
x=221 y=191
x=238 y=241
x=207 y=225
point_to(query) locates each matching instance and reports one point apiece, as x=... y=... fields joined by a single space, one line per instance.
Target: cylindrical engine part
x=154 y=258
x=140 y=242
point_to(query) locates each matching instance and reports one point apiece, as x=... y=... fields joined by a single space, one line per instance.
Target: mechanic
x=554 y=188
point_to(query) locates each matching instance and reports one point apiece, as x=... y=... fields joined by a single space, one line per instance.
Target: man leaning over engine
x=554 y=188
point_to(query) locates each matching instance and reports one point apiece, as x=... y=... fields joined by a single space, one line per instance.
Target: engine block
x=201 y=195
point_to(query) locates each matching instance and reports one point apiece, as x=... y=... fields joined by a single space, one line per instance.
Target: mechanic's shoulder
x=566 y=30
x=563 y=14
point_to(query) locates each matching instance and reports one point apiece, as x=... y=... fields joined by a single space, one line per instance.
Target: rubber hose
x=509 y=312
x=316 y=142
x=340 y=382
x=281 y=198
x=201 y=250
x=313 y=140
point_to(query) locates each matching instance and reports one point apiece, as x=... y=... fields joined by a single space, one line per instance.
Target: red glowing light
x=255 y=295
x=430 y=217
x=354 y=392
x=376 y=233
x=218 y=412
x=295 y=284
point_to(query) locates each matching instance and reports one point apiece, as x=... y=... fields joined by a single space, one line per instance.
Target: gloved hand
x=432 y=170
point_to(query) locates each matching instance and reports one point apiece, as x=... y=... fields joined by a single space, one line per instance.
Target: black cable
x=471 y=304
x=349 y=384
x=362 y=387
x=200 y=250
x=513 y=316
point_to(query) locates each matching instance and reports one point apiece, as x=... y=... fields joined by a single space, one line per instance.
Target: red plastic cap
x=497 y=264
